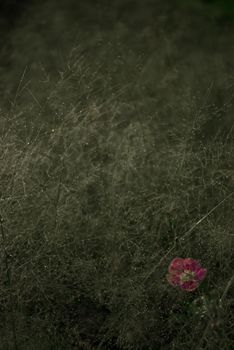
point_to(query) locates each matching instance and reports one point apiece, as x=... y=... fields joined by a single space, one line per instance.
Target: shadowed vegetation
x=116 y=138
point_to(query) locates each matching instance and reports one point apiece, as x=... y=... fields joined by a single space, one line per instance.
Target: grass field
x=116 y=146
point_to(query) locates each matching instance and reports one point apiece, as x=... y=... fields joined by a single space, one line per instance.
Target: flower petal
x=191 y=264
x=173 y=279
x=200 y=274
x=189 y=286
x=176 y=265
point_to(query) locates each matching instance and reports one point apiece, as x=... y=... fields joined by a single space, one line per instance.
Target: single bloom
x=185 y=273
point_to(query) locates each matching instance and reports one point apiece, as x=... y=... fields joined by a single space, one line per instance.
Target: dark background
x=11 y=10
x=116 y=138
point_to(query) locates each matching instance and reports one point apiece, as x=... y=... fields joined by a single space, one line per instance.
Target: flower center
x=187 y=276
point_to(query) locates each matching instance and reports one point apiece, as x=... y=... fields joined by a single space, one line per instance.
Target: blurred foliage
x=221 y=10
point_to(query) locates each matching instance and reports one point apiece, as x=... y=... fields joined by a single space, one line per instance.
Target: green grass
x=116 y=156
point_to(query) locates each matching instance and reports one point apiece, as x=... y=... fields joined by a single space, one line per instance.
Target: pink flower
x=185 y=273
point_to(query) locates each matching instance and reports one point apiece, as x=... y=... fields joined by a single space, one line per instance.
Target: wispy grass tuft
x=111 y=165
